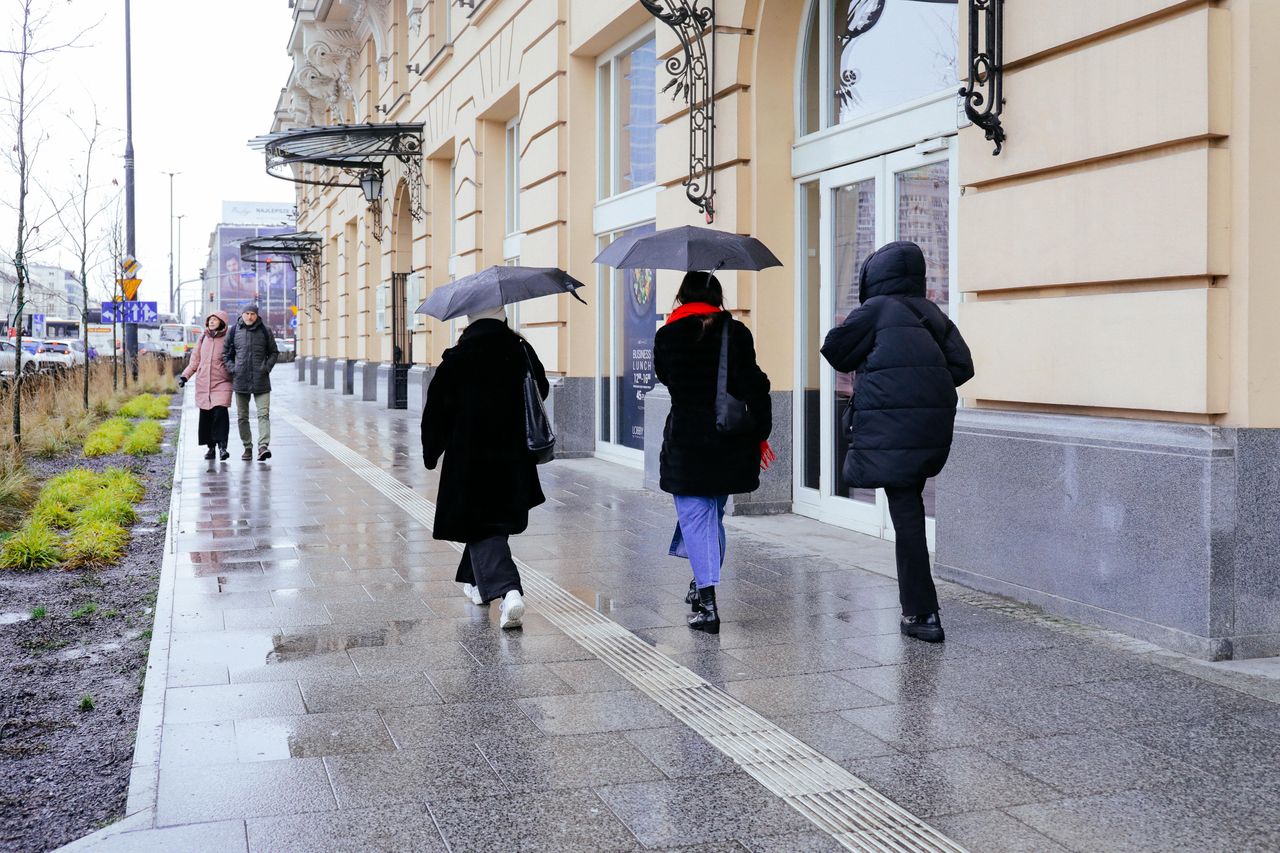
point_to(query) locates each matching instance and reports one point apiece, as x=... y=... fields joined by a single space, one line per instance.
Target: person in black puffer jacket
x=700 y=466
x=910 y=358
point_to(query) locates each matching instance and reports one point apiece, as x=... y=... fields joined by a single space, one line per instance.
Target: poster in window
x=640 y=320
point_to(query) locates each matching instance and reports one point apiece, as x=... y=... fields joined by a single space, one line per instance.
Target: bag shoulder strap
x=722 y=377
x=920 y=316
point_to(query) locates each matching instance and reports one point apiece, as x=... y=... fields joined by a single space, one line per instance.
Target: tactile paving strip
x=839 y=803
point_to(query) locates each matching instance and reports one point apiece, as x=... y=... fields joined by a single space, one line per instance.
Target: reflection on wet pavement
x=321 y=663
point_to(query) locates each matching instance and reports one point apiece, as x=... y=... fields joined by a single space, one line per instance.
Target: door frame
x=871 y=519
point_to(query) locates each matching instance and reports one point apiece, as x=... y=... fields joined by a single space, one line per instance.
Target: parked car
x=8 y=357
x=60 y=354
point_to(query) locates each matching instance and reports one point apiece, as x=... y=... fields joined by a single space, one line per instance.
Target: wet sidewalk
x=318 y=683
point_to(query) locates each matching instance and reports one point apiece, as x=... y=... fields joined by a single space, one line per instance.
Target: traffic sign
x=293 y=322
x=130 y=312
x=130 y=267
x=130 y=287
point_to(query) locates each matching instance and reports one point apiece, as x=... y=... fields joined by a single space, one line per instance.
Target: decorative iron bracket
x=693 y=77
x=984 y=96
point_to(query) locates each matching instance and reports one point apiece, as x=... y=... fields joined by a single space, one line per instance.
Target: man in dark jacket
x=249 y=354
x=910 y=358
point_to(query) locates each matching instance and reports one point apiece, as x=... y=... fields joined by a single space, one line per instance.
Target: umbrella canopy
x=497 y=286
x=689 y=248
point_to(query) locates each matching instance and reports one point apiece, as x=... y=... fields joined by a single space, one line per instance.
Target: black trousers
x=488 y=564
x=214 y=426
x=915 y=583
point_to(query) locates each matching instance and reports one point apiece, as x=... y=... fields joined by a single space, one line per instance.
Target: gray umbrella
x=488 y=289
x=688 y=248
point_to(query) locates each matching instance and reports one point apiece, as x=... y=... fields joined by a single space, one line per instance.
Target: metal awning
x=297 y=248
x=346 y=151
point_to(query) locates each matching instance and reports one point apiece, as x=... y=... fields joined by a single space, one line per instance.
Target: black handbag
x=539 y=435
x=732 y=415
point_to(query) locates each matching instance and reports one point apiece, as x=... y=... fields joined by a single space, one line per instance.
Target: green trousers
x=263 y=404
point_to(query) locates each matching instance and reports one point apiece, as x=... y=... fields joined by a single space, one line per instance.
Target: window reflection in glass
x=924 y=216
x=637 y=117
x=853 y=240
x=891 y=52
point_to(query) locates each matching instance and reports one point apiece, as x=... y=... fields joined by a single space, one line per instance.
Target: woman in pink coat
x=213 y=385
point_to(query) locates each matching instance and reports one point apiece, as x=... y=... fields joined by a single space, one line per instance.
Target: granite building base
x=571 y=406
x=1166 y=532
x=300 y=364
x=774 y=495
x=344 y=375
x=419 y=378
x=313 y=371
x=326 y=373
x=365 y=381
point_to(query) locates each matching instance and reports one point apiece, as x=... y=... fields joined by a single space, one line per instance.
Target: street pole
x=171 y=176
x=130 y=243
x=177 y=293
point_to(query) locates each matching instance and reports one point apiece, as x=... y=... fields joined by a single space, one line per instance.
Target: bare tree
x=23 y=100
x=116 y=249
x=78 y=218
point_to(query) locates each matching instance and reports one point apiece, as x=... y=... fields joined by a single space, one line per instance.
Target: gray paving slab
x=314 y=619
x=696 y=810
x=380 y=829
x=572 y=821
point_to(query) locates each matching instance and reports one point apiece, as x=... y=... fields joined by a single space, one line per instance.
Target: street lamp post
x=130 y=329
x=175 y=298
x=171 y=177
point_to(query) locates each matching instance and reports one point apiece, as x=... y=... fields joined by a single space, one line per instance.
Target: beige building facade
x=1117 y=459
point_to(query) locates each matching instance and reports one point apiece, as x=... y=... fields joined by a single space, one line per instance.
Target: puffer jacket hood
x=226 y=324
x=895 y=269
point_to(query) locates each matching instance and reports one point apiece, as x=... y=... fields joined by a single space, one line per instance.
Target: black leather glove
x=182 y=382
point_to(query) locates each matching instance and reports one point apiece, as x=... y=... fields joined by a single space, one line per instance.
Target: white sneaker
x=472 y=592
x=511 y=610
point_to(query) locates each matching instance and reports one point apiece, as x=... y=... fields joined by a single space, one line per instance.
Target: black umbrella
x=689 y=248
x=496 y=286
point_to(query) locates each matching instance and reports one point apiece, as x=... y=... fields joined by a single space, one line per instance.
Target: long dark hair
x=701 y=287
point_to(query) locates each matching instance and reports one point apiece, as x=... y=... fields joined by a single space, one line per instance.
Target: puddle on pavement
x=13 y=618
x=292 y=647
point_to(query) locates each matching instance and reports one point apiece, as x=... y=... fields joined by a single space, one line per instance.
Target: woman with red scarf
x=702 y=466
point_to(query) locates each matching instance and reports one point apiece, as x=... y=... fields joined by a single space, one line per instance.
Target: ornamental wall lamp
x=693 y=73
x=371 y=185
x=984 y=95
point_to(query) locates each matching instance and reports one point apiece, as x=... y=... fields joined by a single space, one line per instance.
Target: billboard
x=257 y=212
x=271 y=284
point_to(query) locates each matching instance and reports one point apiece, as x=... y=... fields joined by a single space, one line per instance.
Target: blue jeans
x=699 y=536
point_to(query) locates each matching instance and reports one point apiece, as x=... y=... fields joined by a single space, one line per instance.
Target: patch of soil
x=64 y=771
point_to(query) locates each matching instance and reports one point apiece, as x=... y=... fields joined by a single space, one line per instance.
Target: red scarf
x=696 y=309
x=691 y=309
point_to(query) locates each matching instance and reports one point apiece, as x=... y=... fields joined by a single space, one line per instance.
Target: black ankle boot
x=707 y=617
x=926 y=626
x=210 y=454
x=691 y=598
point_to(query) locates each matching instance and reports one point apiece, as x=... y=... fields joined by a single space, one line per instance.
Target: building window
x=865 y=57
x=453 y=212
x=628 y=117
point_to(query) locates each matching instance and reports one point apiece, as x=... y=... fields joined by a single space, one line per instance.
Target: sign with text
x=130 y=312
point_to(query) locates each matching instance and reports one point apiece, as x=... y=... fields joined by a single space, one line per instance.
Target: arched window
x=862 y=58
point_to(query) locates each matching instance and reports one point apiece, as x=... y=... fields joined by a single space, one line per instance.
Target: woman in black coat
x=910 y=358
x=701 y=466
x=474 y=416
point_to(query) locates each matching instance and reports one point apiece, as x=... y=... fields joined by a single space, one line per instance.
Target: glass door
x=908 y=195
x=852 y=228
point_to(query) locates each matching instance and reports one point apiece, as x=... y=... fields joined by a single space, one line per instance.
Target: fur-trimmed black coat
x=696 y=459
x=474 y=417
x=910 y=358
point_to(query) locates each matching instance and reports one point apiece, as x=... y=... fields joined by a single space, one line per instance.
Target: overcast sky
x=206 y=78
